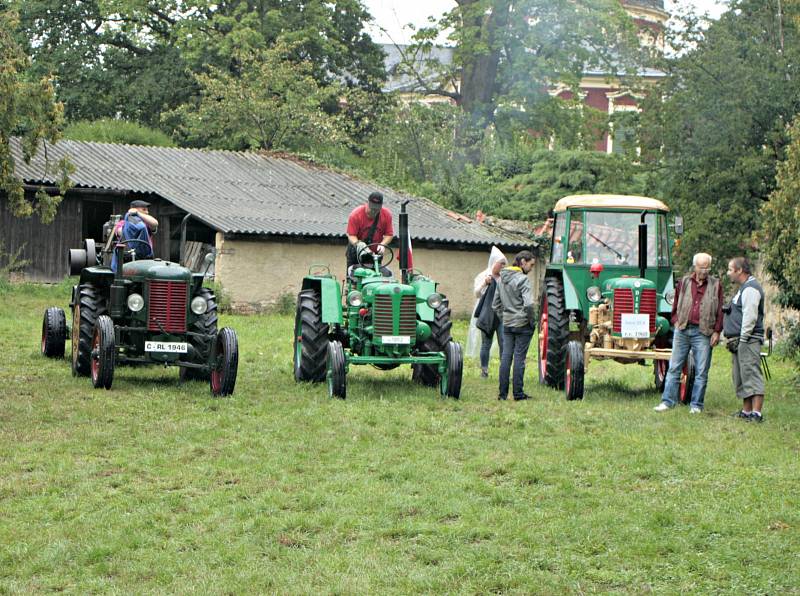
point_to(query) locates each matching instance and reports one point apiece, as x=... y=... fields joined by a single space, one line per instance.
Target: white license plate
x=396 y=339
x=175 y=347
x=635 y=326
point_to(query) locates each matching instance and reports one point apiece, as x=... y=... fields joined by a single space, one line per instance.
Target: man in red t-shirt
x=363 y=219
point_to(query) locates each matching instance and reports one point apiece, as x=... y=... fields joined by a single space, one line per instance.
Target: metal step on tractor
x=608 y=290
x=377 y=320
x=146 y=312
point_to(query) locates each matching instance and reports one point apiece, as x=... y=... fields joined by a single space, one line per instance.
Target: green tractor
x=375 y=320
x=608 y=290
x=146 y=312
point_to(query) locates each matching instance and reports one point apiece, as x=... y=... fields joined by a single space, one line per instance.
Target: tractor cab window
x=559 y=230
x=612 y=238
x=663 y=242
x=575 y=246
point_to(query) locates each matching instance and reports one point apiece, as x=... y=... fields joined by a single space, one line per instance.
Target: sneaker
x=695 y=410
x=662 y=407
x=741 y=414
x=502 y=397
x=756 y=417
x=484 y=373
x=521 y=397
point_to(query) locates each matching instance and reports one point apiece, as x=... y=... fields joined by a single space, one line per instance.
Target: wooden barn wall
x=46 y=246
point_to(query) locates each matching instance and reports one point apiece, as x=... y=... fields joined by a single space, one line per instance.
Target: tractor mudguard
x=424 y=287
x=571 y=300
x=99 y=276
x=330 y=294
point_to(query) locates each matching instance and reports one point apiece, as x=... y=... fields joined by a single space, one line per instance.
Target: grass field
x=155 y=486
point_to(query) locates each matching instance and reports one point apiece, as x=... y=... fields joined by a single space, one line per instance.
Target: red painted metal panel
x=166 y=304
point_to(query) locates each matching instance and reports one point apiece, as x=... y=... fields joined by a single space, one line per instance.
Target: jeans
x=486 y=345
x=515 y=346
x=682 y=342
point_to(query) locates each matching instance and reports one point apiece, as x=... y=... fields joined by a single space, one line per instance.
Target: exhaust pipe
x=642 y=245
x=403 y=231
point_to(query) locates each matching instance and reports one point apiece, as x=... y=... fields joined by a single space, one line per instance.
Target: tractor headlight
x=434 y=301
x=355 y=298
x=593 y=294
x=135 y=302
x=199 y=305
x=670 y=297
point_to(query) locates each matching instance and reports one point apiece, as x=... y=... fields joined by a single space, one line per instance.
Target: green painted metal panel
x=331 y=293
x=424 y=287
x=571 y=299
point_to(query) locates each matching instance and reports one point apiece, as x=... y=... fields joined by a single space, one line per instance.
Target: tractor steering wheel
x=125 y=242
x=368 y=249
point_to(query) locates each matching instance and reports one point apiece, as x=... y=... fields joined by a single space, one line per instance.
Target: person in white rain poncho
x=484 y=323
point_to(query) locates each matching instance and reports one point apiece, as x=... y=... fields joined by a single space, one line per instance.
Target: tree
x=716 y=128
x=508 y=55
x=273 y=103
x=29 y=111
x=779 y=235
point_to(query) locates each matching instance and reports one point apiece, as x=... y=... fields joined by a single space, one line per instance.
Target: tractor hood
x=156 y=269
x=636 y=284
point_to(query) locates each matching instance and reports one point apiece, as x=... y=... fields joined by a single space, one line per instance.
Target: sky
x=392 y=15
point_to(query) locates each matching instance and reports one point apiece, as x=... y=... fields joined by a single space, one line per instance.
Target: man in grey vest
x=697 y=318
x=744 y=334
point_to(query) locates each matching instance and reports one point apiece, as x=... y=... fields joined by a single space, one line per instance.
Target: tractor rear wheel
x=336 y=371
x=206 y=324
x=103 y=353
x=226 y=364
x=450 y=383
x=428 y=374
x=54 y=332
x=687 y=380
x=310 y=338
x=553 y=334
x=89 y=305
x=574 y=369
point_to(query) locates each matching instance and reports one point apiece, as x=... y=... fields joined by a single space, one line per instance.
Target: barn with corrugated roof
x=269 y=217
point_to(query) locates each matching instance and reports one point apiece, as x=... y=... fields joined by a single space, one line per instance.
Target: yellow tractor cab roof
x=609 y=202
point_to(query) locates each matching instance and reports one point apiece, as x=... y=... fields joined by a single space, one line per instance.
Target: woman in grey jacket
x=513 y=304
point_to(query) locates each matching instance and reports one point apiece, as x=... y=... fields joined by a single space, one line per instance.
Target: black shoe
x=759 y=418
x=484 y=373
x=502 y=397
x=741 y=414
x=521 y=397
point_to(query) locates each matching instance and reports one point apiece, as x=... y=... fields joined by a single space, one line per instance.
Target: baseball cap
x=376 y=198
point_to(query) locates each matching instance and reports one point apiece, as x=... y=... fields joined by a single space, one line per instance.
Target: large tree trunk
x=483 y=30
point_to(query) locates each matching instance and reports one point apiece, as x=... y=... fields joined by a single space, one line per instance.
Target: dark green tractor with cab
x=372 y=319
x=146 y=312
x=608 y=290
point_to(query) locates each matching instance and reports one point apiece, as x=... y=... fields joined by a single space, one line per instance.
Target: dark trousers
x=516 y=341
x=486 y=344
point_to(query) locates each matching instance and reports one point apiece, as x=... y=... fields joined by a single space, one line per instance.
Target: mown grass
x=156 y=487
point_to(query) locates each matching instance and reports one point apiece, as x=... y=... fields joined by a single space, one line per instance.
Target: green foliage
x=779 y=236
x=28 y=110
x=10 y=262
x=272 y=103
x=107 y=130
x=716 y=128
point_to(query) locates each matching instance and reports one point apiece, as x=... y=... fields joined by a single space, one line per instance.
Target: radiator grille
x=647 y=306
x=623 y=304
x=166 y=303
x=383 y=316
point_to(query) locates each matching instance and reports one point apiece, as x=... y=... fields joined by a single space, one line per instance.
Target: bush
x=108 y=130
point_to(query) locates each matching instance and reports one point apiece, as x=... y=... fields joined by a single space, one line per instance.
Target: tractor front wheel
x=660 y=368
x=573 y=376
x=310 y=338
x=687 y=380
x=206 y=327
x=89 y=306
x=336 y=370
x=54 y=332
x=226 y=363
x=450 y=383
x=553 y=334
x=103 y=353
x=428 y=374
